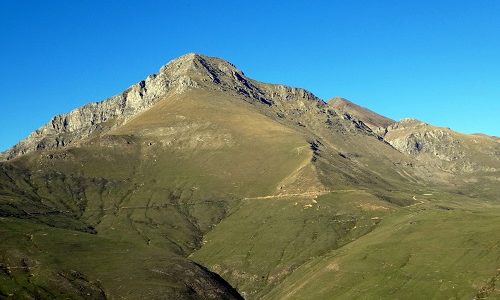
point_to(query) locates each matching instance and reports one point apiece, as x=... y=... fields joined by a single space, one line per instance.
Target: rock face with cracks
x=178 y=76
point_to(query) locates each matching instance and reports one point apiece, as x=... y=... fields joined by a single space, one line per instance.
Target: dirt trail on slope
x=305 y=194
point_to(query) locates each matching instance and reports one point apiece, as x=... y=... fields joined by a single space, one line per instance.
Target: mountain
x=376 y=122
x=201 y=183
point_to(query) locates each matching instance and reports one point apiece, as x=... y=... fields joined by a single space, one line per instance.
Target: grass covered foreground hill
x=201 y=183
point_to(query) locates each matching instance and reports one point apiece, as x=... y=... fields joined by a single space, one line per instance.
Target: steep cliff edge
x=191 y=71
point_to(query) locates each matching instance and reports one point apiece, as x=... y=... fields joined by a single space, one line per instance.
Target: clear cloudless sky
x=435 y=60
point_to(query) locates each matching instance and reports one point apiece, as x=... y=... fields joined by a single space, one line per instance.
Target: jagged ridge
x=184 y=73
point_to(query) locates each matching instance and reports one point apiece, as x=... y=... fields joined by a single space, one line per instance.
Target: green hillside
x=201 y=183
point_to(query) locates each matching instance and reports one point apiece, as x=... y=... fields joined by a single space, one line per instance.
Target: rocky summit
x=201 y=183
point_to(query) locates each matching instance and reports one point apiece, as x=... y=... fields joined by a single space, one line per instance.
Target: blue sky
x=438 y=61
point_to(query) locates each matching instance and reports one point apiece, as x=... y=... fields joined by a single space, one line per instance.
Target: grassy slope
x=155 y=192
x=171 y=181
x=47 y=262
x=265 y=240
x=280 y=249
x=435 y=250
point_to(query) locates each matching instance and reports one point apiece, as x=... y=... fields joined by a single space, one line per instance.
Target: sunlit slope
x=266 y=240
x=235 y=148
x=461 y=154
x=446 y=247
x=280 y=193
x=376 y=122
x=161 y=181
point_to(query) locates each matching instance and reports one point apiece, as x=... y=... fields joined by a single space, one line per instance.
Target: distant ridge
x=375 y=121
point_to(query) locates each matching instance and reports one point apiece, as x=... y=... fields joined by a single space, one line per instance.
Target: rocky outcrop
x=444 y=148
x=191 y=71
x=94 y=117
x=91 y=118
x=182 y=74
x=294 y=106
x=415 y=137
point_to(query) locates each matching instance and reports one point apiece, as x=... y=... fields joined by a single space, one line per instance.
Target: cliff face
x=414 y=137
x=443 y=147
x=187 y=72
x=293 y=106
x=82 y=122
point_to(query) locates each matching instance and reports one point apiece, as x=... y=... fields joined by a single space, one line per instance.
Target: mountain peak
x=338 y=99
x=188 y=72
x=197 y=58
x=409 y=122
x=376 y=122
x=200 y=67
